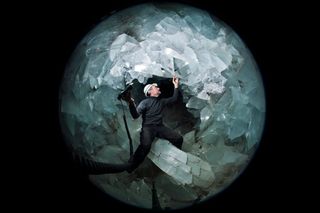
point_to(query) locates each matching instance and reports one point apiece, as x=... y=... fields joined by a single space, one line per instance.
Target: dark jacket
x=151 y=109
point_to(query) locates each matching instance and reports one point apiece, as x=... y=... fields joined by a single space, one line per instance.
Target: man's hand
x=175 y=81
x=127 y=97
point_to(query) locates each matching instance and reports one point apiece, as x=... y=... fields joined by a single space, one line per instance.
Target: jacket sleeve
x=135 y=111
x=173 y=98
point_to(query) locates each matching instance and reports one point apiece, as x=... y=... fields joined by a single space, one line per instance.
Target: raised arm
x=174 y=97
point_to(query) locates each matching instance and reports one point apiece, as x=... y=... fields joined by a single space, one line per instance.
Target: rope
x=127 y=129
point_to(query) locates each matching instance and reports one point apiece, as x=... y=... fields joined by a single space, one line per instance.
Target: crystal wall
x=220 y=112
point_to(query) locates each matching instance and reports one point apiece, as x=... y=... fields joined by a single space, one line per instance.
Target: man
x=151 y=110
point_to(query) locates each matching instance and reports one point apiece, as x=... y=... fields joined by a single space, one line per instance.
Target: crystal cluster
x=222 y=94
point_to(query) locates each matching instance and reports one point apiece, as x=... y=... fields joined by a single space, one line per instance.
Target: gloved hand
x=127 y=97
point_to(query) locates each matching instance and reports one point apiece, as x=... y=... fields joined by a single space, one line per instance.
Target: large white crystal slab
x=185 y=168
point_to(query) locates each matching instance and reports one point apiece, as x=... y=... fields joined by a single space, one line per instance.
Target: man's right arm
x=133 y=110
x=132 y=106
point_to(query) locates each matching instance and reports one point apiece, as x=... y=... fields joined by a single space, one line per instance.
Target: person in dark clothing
x=151 y=111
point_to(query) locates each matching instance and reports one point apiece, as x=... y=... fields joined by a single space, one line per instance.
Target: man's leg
x=146 y=137
x=170 y=135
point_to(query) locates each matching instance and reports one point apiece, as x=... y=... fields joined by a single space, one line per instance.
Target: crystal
x=220 y=114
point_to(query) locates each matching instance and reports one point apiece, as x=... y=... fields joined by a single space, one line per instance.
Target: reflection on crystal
x=195 y=103
x=185 y=168
x=220 y=114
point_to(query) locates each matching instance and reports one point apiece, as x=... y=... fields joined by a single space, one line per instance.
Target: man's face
x=155 y=91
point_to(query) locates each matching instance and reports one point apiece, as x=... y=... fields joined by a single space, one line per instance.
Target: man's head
x=152 y=90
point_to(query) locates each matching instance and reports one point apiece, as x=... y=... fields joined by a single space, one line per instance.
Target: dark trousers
x=147 y=135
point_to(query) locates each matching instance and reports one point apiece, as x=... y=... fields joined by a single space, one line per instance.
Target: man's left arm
x=174 y=97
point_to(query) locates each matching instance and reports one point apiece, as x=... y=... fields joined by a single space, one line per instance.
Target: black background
x=47 y=34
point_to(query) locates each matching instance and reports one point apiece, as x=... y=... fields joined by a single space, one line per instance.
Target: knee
x=178 y=142
x=146 y=147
